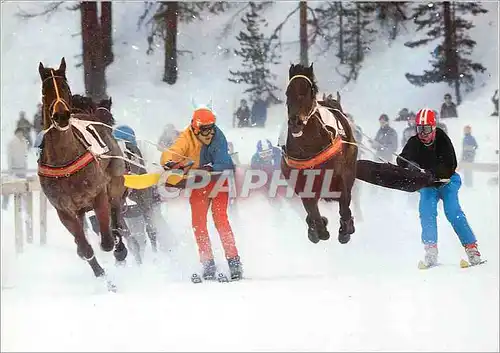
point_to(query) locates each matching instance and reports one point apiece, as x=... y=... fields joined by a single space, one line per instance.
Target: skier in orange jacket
x=206 y=146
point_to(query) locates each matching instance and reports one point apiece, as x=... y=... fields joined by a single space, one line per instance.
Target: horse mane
x=82 y=104
x=300 y=69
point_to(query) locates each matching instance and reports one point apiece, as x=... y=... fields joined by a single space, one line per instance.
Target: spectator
x=494 y=99
x=259 y=111
x=38 y=119
x=17 y=152
x=469 y=147
x=386 y=140
x=403 y=115
x=267 y=157
x=440 y=124
x=448 y=109
x=25 y=127
x=167 y=137
x=243 y=114
x=409 y=131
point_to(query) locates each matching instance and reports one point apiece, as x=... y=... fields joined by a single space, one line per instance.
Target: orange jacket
x=186 y=145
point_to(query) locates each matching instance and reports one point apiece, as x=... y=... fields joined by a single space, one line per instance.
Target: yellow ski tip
x=464 y=264
x=142 y=181
x=422 y=265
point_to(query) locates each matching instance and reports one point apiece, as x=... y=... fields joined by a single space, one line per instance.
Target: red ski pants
x=200 y=201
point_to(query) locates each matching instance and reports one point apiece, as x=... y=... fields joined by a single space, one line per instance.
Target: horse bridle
x=58 y=100
x=315 y=106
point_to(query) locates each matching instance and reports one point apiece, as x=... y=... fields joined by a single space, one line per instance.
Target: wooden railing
x=23 y=189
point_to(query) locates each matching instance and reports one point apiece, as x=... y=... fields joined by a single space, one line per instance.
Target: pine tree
x=449 y=61
x=391 y=16
x=258 y=53
x=357 y=36
x=163 y=18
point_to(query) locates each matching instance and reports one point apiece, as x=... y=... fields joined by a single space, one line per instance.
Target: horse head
x=300 y=97
x=103 y=111
x=56 y=96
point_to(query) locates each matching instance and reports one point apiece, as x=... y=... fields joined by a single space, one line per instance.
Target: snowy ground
x=367 y=295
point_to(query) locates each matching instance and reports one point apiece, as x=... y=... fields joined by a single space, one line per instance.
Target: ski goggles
x=266 y=153
x=425 y=129
x=206 y=130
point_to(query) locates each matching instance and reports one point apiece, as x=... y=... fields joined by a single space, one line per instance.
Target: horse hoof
x=313 y=236
x=344 y=239
x=345 y=231
x=107 y=246
x=120 y=252
x=325 y=235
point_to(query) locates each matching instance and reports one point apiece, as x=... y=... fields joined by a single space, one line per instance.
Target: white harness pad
x=330 y=120
x=96 y=145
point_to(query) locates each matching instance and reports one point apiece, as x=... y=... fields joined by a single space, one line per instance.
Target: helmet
x=202 y=117
x=426 y=125
x=425 y=117
x=265 y=148
x=125 y=133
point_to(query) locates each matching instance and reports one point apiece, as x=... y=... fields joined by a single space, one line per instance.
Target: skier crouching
x=433 y=151
x=205 y=144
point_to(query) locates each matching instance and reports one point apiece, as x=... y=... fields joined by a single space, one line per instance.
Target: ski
x=423 y=266
x=466 y=264
x=220 y=277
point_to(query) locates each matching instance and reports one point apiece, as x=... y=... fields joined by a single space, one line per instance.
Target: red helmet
x=426 y=125
x=425 y=117
x=202 y=118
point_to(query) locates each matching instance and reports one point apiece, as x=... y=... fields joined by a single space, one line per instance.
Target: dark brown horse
x=74 y=179
x=320 y=141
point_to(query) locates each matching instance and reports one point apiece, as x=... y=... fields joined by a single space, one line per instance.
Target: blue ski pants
x=429 y=198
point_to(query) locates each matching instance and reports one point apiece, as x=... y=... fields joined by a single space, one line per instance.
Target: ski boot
x=473 y=255
x=235 y=268
x=431 y=256
x=209 y=270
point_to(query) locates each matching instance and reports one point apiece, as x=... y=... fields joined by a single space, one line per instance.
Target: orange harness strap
x=322 y=157
x=68 y=170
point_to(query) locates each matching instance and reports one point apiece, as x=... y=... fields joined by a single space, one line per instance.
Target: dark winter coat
x=448 y=111
x=243 y=116
x=469 y=147
x=438 y=158
x=386 y=142
x=259 y=112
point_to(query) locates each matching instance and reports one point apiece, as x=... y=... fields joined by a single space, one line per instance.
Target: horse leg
x=101 y=208
x=346 y=220
x=120 y=230
x=120 y=253
x=317 y=224
x=74 y=225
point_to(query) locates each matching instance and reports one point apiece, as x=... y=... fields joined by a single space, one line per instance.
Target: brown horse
x=317 y=146
x=74 y=179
